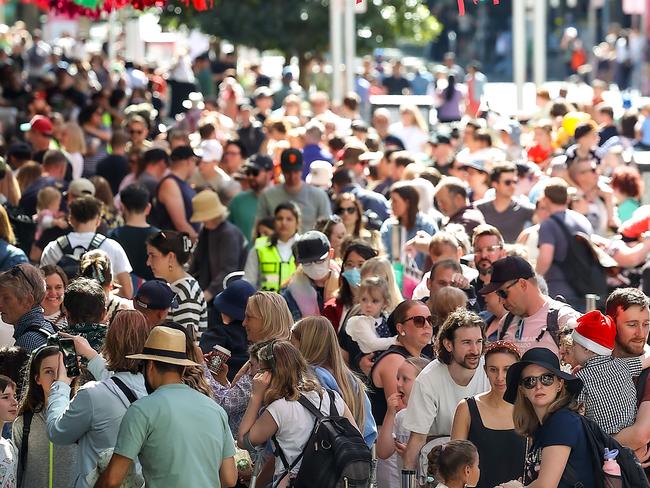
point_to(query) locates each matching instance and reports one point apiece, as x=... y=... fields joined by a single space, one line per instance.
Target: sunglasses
x=252 y=172
x=420 y=321
x=342 y=210
x=503 y=293
x=481 y=250
x=267 y=356
x=132 y=131
x=530 y=382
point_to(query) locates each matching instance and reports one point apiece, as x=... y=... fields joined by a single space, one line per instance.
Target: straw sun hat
x=166 y=345
x=207 y=206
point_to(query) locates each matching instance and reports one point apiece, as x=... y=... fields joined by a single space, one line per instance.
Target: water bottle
x=591 y=300
x=610 y=466
x=409 y=478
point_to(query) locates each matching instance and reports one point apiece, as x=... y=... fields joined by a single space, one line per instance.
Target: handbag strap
x=128 y=393
x=24 y=446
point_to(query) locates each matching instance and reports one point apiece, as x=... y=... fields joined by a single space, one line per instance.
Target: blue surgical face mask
x=352 y=276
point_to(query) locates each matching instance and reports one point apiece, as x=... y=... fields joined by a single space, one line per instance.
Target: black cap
x=440 y=139
x=311 y=246
x=20 y=151
x=291 y=160
x=183 y=152
x=156 y=295
x=507 y=269
x=259 y=161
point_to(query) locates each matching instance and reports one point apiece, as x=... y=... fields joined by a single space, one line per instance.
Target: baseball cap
x=81 y=187
x=320 y=174
x=477 y=164
x=40 y=124
x=440 y=138
x=259 y=162
x=156 y=295
x=311 y=246
x=291 y=160
x=507 y=269
x=261 y=92
x=211 y=150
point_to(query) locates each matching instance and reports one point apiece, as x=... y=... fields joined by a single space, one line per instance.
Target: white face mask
x=317 y=271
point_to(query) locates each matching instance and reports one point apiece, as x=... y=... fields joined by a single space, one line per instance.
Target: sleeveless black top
x=501 y=452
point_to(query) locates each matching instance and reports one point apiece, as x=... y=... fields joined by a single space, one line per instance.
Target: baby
x=369 y=330
x=48 y=202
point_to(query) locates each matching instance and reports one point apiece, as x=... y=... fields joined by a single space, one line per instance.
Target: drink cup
x=220 y=355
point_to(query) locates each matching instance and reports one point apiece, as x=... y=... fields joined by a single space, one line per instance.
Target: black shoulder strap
x=506 y=325
x=64 y=244
x=310 y=406
x=96 y=242
x=128 y=393
x=552 y=321
x=24 y=446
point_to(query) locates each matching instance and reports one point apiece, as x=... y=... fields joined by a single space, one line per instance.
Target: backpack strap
x=64 y=244
x=128 y=393
x=24 y=446
x=556 y=218
x=96 y=242
x=506 y=325
x=552 y=321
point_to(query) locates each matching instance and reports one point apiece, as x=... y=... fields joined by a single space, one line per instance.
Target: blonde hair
x=75 y=138
x=418 y=120
x=46 y=197
x=381 y=267
x=275 y=314
x=6 y=230
x=376 y=284
x=318 y=344
x=96 y=265
x=419 y=363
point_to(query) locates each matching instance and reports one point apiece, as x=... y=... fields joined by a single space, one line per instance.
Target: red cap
x=39 y=123
x=596 y=332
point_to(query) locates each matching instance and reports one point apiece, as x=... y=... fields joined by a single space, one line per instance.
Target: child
x=392 y=436
x=48 y=202
x=609 y=395
x=455 y=464
x=366 y=329
x=8 y=453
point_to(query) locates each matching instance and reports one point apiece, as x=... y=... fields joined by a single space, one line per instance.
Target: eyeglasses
x=266 y=355
x=420 y=321
x=503 y=293
x=530 y=382
x=342 y=210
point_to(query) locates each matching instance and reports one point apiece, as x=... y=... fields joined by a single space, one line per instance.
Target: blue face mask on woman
x=352 y=276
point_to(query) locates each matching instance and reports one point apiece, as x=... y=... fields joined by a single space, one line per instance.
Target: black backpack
x=335 y=454
x=24 y=227
x=582 y=269
x=552 y=324
x=632 y=474
x=71 y=258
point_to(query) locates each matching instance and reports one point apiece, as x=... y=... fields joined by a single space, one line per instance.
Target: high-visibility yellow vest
x=273 y=271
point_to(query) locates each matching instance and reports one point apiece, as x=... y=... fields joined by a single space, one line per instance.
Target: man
x=208 y=173
x=250 y=131
x=313 y=202
x=84 y=304
x=445 y=272
x=382 y=168
x=595 y=194
x=85 y=216
x=138 y=131
x=396 y=84
x=316 y=282
x=115 y=166
x=313 y=150
x=534 y=319
x=351 y=159
x=452 y=199
x=153 y=431
x=40 y=135
x=505 y=211
x=136 y=230
x=234 y=154
x=488 y=247
x=154 y=299
x=342 y=182
x=22 y=290
x=243 y=207
x=381 y=123
x=606 y=126
x=442 y=152
x=173 y=207
x=553 y=245
x=263 y=99
x=54 y=168
x=155 y=163
x=477 y=177
x=457 y=373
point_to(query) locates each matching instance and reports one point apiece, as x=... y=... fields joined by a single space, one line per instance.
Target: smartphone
x=69 y=357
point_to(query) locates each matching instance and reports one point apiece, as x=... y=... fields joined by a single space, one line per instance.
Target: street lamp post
x=519 y=48
x=336 y=48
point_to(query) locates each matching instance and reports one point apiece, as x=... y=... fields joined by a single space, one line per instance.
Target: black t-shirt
x=132 y=239
x=396 y=86
x=114 y=168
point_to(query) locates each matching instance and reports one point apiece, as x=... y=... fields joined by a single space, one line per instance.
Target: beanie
x=596 y=332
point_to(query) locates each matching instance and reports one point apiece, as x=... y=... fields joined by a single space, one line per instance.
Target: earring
x=403 y=333
x=170 y=266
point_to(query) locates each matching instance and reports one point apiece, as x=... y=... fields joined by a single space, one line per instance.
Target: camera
x=66 y=346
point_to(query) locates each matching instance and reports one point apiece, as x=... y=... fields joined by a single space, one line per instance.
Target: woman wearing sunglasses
x=546 y=410
x=348 y=207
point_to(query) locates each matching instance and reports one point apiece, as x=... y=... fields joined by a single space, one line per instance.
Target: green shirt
x=243 y=210
x=180 y=436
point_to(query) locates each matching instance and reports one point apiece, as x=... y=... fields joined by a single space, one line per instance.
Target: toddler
x=369 y=330
x=48 y=202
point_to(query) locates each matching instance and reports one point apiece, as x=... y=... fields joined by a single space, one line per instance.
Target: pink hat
x=596 y=332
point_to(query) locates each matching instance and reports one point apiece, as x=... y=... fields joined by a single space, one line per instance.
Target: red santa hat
x=596 y=332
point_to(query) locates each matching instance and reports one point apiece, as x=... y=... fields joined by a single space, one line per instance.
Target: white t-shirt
x=434 y=398
x=119 y=261
x=295 y=424
x=8 y=464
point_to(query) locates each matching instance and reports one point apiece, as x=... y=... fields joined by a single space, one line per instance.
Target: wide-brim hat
x=165 y=345
x=545 y=358
x=207 y=206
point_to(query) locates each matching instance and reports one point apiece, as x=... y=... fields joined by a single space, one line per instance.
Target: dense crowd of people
x=184 y=292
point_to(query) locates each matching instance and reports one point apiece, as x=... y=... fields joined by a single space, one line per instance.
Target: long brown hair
x=318 y=344
x=349 y=197
x=126 y=335
x=410 y=195
x=33 y=398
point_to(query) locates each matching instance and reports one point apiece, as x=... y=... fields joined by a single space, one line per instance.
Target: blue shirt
x=311 y=153
x=26 y=331
x=422 y=222
x=370 y=200
x=370 y=427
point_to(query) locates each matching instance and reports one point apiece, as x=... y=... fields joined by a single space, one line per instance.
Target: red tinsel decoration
x=461 y=5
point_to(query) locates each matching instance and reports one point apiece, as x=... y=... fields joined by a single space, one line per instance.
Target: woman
x=316 y=341
x=412 y=325
x=412 y=129
x=10 y=255
x=39 y=459
x=271 y=263
x=282 y=378
x=267 y=318
x=73 y=143
x=405 y=224
x=348 y=207
x=450 y=100
x=96 y=265
x=545 y=409
x=627 y=186
x=92 y=418
x=334 y=230
x=486 y=421
x=110 y=215
x=355 y=255
x=97 y=137
x=55 y=283
x=167 y=254
x=8 y=454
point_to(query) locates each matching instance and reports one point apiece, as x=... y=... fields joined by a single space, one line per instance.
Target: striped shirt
x=192 y=307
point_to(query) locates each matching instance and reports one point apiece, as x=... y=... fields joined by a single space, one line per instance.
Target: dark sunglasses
x=133 y=131
x=342 y=210
x=503 y=293
x=252 y=172
x=267 y=356
x=530 y=382
x=420 y=321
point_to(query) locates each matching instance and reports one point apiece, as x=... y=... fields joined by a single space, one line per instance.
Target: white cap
x=320 y=174
x=211 y=150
